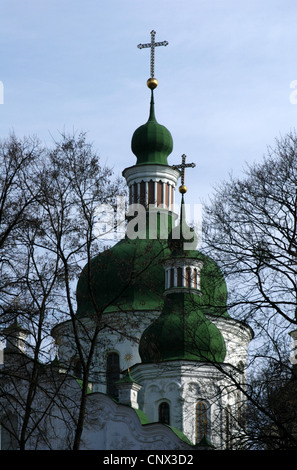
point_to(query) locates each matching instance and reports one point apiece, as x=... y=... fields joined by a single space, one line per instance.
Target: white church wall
x=183 y=385
x=116 y=427
x=237 y=337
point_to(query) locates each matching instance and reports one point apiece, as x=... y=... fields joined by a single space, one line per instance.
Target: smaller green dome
x=182 y=332
x=152 y=142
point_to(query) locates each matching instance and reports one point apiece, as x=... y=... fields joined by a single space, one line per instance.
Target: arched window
x=188 y=277
x=171 y=277
x=195 y=279
x=167 y=195
x=151 y=192
x=228 y=429
x=164 y=413
x=112 y=374
x=160 y=192
x=135 y=191
x=179 y=277
x=142 y=193
x=201 y=421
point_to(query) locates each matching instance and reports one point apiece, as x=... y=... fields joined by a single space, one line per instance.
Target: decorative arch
x=164 y=412
x=201 y=420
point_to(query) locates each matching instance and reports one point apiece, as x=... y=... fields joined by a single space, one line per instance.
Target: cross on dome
x=182 y=167
x=152 y=81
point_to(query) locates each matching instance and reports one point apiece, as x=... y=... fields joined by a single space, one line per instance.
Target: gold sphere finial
x=152 y=83
x=183 y=189
x=128 y=358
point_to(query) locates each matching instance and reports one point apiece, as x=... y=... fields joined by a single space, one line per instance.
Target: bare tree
x=48 y=217
x=19 y=161
x=250 y=229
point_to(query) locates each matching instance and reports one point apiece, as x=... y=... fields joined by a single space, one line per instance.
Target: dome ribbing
x=152 y=142
x=182 y=332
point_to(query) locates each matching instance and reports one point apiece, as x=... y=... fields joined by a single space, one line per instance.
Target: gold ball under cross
x=152 y=83
x=183 y=189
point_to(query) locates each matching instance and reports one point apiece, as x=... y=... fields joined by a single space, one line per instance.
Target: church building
x=168 y=368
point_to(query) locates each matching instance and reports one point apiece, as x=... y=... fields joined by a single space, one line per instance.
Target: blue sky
x=224 y=79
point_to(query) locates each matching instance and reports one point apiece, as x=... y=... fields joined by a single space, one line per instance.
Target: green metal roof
x=182 y=332
x=130 y=276
x=127 y=277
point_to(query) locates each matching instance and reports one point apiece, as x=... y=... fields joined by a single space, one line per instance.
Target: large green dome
x=127 y=277
x=130 y=276
x=152 y=142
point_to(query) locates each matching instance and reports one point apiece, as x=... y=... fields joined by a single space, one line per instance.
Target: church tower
x=162 y=303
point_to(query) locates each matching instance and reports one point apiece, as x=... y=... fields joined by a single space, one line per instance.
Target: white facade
x=185 y=386
x=108 y=425
x=197 y=394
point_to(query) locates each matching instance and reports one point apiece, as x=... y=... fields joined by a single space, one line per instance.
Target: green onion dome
x=182 y=332
x=152 y=142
